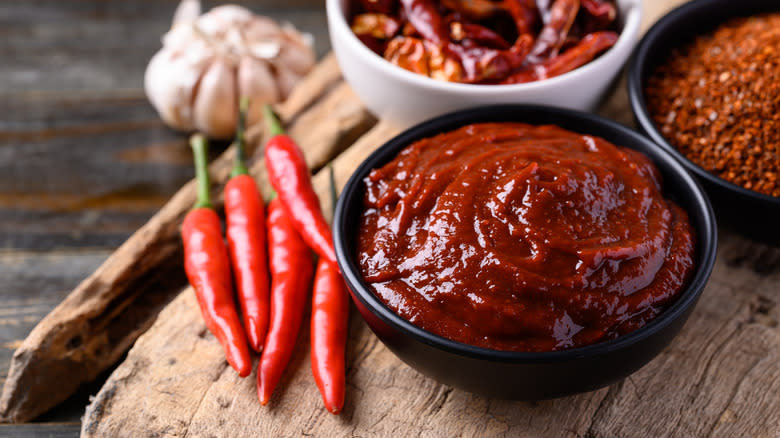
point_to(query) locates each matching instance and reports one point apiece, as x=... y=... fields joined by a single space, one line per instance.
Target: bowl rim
x=636 y=96
x=338 y=28
x=689 y=296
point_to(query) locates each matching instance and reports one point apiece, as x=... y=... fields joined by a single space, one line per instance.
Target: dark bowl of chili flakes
x=704 y=84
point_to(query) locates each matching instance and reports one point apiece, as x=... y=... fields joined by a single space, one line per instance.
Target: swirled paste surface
x=526 y=238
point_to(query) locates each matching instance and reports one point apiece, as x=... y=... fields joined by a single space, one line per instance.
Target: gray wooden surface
x=84 y=159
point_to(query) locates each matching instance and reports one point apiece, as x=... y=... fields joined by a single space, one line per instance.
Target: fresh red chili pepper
x=245 y=218
x=291 y=266
x=208 y=269
x=289 y=175
x=329 y=317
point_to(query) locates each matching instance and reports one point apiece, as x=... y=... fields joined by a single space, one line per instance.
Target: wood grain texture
x=49 y=430
x=51 y=275
x=99 y=47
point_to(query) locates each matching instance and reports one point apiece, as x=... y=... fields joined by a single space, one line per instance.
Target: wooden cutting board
x=720 y=377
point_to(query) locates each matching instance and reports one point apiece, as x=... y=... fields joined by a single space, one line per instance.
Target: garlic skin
x=209 y=61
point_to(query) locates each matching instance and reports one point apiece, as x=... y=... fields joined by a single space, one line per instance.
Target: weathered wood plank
x=31 y=284
x=49 y=430
x=90 y=45
x=85 y=176
x=51 y=275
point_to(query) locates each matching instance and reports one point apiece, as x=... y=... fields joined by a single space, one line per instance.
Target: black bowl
x=753 y=214
x=521 y=375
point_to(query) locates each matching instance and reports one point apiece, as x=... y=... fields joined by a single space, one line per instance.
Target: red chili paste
x=526 y=238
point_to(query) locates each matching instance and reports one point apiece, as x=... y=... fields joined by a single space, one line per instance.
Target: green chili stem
x=200 y=148
x=239 y=167
x=334 y=197
x=274 y=127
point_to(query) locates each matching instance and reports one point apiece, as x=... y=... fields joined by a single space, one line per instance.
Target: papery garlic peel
x=209 y=61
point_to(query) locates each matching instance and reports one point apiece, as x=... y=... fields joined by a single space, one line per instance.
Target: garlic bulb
x=209 y=61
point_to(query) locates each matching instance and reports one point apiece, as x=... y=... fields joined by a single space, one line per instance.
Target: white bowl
x=406 y=98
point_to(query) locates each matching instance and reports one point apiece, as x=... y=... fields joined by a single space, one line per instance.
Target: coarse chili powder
x=716 y=100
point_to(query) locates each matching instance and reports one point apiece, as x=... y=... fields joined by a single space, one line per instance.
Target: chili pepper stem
x=200 y=148
x=334 y=197
x=239 y=168
x=271 y=121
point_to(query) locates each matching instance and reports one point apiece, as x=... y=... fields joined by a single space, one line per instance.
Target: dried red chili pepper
x=291 y=266
x=553 y=34
x=375 y=30
x=481 y=35
x=525 y=14
x=426 y=20
x=600 y=14
x=581 y=54
x=473 y=9
x=379 y=6
x=473 y=41
x=377 y=26
x=245 y=231
x=329 y=318
x=208 y=269
x=482 y=64
x=289 y=175
x=409 y=53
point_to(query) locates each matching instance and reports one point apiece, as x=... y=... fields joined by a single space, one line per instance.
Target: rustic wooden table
x=84 y=158
x=87 y=162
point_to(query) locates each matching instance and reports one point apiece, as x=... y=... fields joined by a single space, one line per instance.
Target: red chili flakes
x=718 y=101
